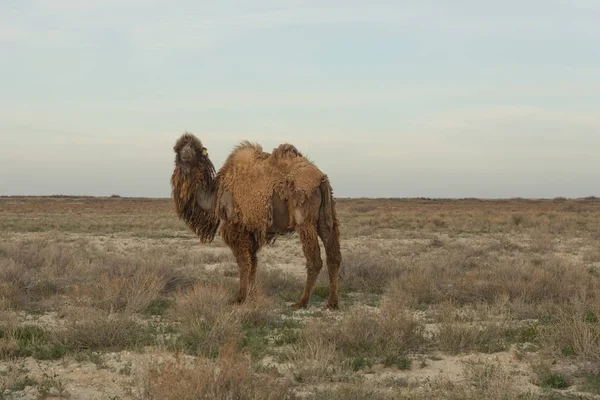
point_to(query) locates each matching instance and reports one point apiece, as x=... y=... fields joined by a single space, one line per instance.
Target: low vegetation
x=461 y=299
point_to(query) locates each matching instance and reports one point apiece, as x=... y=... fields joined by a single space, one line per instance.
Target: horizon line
x=517 y=198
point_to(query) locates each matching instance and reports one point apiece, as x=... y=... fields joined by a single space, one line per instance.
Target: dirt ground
x=113 y=298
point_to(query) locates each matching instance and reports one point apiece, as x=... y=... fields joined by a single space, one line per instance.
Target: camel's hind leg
x=330 y=235
x=332 y=249
x=312 y=252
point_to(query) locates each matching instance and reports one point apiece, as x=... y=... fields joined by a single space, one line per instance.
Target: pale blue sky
x=409 y=98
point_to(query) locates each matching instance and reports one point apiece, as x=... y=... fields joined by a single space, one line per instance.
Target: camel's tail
x=329 y=227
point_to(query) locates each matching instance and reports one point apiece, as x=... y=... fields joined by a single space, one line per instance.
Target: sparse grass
x=158 y=306
x=468 y=276
x=482 y=381
x=275 y=282
x=576 y=332
x=548 y=377
x=488 y=331
x=14 y=378
x=555 y=381
x=100 y=330
x=313 y=360
x=422 y=280
x=131 y=292
x=230 y=376
x=354 y=392
x=490 y=381
x=34 y=272
x=52 y=385
x=400 y=362
x=360 y=362
x=209 y=319
x=542 y=242
x=517 y=219
x=365 y=270
x=29 y=341
x=383 y=337
x=592 y=256
x=591 y=383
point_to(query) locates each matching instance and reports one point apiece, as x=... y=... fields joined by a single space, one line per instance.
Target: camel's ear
x=202 y=153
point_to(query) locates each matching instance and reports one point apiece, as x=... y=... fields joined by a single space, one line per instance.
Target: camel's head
x=189 y=152
x=194 y=176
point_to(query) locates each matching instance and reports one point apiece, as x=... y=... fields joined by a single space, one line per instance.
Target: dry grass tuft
x=14 y=377
x=257 y=310
x=275 y=282
x=576 y=332
x=230 y=376
x=32 y=272
x=353 y=391
x=314 y=360
x=542 y=242
x=368 y=271
x=490 y=381
x=380 y=337
x=517 y=219
x=209 y=319
x=131 y=294
x=463 y=278
x=17 y=340
x=9 y=346
x=486 y=330
x=481 y=381
x=90 y=329
x=592 y=256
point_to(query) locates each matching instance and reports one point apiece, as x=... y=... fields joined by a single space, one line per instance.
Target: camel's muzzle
x=187 y=154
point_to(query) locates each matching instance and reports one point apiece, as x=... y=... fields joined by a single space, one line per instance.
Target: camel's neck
x=194 y=193
x=206 y=198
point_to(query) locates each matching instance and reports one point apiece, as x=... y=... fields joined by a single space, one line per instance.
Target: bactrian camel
x=255 y=197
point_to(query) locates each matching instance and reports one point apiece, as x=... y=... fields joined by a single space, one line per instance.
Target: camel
x=255 y=197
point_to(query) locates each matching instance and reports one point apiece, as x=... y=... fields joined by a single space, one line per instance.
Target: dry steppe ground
x=114 y=298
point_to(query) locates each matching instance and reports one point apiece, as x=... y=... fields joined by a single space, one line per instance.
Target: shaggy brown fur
x=186 y=180
x=256 y=196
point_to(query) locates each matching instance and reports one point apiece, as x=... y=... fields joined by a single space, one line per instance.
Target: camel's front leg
x=240 y=243
x=253 y=265
x=244 y=265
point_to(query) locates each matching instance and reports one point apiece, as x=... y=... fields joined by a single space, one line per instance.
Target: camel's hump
x=286 y=150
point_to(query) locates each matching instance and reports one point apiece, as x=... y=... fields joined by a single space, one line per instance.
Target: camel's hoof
x=298 y=306
x=333 y=303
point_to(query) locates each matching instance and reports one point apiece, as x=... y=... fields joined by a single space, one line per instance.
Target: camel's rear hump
x=286 y=150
